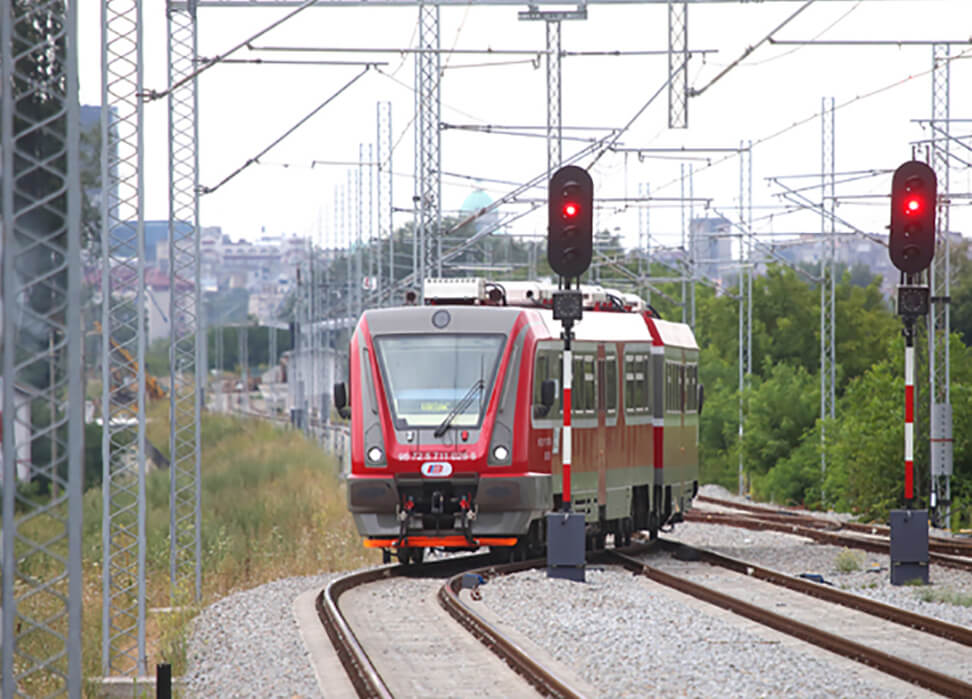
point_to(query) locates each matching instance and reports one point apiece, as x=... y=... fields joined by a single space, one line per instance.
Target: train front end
x=433 y=398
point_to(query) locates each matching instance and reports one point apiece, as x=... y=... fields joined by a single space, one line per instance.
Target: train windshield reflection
x=427 y=376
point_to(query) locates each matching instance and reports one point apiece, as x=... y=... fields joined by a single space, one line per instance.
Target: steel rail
x=930 y=625
x=898 y=667
x=826 y=537
x=936 y=543
x=543 y=679
x=362 y=673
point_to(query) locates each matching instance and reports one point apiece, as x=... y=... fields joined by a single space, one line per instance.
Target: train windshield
x=427 y=377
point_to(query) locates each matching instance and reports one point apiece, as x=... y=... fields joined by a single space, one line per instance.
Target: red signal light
x=913 y=205
x=571 y=209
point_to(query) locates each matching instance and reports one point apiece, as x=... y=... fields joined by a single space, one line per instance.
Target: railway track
x=884 y=637
x=938 y=544
x=958 y=555
x=376 y=671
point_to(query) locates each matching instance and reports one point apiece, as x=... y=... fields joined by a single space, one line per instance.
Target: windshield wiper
x=459 y=407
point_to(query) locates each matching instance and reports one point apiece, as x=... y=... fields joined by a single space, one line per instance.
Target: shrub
x=848 y=561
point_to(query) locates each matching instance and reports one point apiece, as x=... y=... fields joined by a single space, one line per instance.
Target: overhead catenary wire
x=816 y=115
x=749 y=50
x=256 y=158
x=151 y=95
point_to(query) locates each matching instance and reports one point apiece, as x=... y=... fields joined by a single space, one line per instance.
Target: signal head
x=570 y=233
x=913 y=199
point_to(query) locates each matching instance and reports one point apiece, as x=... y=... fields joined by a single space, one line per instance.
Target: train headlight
x=501 y=453
x=375 y=455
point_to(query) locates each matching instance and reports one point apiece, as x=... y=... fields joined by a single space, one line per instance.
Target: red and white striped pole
x=568 y=381
x=909 y=412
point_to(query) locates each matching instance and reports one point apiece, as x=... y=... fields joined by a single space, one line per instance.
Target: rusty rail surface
x=930 y=625
x=544 y=680
x=898 y=667
x=938 y=544
x=362 y=673
x=828 y=537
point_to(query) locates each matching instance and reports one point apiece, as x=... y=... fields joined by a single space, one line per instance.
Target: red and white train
x=456 y=419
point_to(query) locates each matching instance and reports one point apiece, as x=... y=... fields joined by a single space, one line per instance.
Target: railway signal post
x=912 y=248
x=570 y=243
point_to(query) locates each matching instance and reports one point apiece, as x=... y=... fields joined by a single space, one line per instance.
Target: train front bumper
x=504 y=505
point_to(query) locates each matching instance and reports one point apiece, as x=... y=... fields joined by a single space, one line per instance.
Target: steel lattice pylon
x=372 y=239
x=123 y=341
x=554 y=102
x=358 y=223
x=644 y=239
x=678 y=89
x=939 y=370
x=828 y=205
x=383 y=158
x=687 y=272
x=428 y=155
x=40 y=203
x=185 y=342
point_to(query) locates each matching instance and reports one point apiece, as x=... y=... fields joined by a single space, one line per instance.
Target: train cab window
x=429 y=378
x=547 y=367
x=611 y=384
x=637 y=384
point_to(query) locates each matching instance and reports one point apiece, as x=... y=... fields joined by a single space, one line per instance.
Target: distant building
x=477 y=200
x=711 y=249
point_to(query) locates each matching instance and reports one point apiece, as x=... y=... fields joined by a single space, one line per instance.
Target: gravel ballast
x=622 y=633
x=248 y=644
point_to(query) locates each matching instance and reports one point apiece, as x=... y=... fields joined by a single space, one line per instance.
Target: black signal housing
x=570 y=230
x=914 y=200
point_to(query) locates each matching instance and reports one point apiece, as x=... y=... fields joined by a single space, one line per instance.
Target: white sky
x=245 y=107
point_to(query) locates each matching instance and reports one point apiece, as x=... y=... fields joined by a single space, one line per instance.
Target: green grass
x=272 y=507
x=945 y=595
x=848 y=561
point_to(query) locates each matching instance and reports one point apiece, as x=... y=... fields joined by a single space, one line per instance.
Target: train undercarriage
x=441 y=516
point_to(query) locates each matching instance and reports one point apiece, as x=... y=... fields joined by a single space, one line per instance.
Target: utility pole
x=939 y=325
x=828 y=205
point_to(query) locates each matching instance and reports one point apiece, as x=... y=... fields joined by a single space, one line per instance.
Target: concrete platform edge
x=331 y=677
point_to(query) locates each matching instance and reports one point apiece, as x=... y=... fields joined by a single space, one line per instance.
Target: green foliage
x=961 y=313
x=782 y=407
x=848 y=561
x=782 y=438
x=794 y=480
x=946 y=595
x=865 y=445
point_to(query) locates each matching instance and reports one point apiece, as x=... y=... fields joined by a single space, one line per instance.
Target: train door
x=600 y=444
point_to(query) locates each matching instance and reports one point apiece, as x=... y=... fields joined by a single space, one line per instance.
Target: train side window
x=672 y=404
x=692 y=388
x=681 y=388
x=611 y=384
x=645 y=362
x=637 y=384
x=583 y=384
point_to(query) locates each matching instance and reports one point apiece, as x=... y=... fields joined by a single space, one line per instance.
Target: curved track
x=939 y=544
x=385 y=675
x=816 y=531
x=851 y=640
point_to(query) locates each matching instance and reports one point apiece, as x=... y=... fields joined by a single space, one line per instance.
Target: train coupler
x=404 y=515
x=468 y=513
